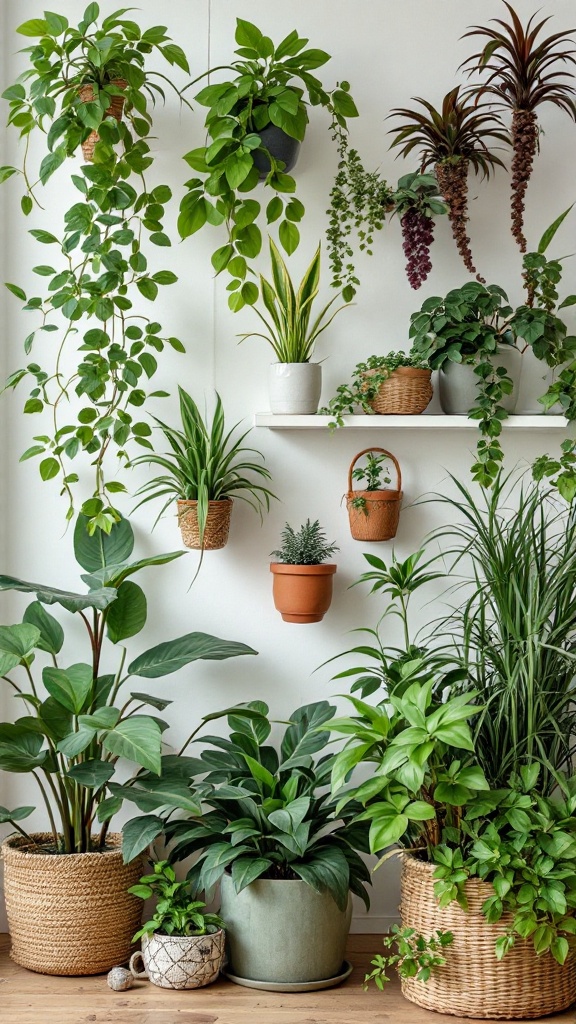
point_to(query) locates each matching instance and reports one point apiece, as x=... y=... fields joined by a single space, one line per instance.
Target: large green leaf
x=300 y=737
x=137 y=835
x=51 y=632
x=101 y=549
x=18 y=814
x=248 y=869
x=127 y=616
x=92 y=774
x=155 y=702
x=139 y=739
x=71 y=687
x=114 y=575
x=175 y=654
x=327 y=868
x=16 y=643
x=50 y=595
x=76 y=742
x=20 y=748
x=57 y=720
x=151 y=793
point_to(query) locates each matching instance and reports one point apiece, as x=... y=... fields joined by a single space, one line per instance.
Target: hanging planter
x=374 y=513
x=115 y=109
x=217 y=524
x=281 y=147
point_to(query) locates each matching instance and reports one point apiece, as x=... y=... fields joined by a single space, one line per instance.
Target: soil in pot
x=302 y=593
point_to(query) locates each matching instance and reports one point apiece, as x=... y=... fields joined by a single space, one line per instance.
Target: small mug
x=133 y=968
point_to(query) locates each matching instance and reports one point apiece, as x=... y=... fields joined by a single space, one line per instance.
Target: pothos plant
x=367 y=377
x=271 y=86
x=90 y=380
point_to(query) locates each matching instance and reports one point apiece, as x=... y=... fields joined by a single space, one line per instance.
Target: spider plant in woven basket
x=523 y=72
x=206 y=463
x=289 y=330
x=451 y=140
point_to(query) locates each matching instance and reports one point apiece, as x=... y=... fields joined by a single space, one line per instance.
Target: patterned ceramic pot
x=180 y=961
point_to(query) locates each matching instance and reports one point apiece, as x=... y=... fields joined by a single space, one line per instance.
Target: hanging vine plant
x=91 y=379
x=524 y=70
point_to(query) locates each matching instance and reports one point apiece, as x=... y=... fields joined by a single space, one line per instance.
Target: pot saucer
x=292 y=986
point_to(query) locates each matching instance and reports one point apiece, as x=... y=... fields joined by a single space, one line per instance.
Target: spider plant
x=289 y=330
x=522 y=69
x=517 y=624
x=206 y=463
x=451 y=140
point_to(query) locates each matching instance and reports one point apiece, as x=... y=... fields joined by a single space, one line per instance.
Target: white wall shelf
x=430 y=422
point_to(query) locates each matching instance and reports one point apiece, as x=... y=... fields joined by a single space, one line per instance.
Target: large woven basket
x=378 y=519
x=473 y=983
x=69 y=914
x=217 y=524
x=115 y=109
x=406 y=392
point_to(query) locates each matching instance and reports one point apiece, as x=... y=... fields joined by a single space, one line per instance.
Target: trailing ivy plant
x=89 y=379
x=271 y=86
x=415 y=956
x=365 y=384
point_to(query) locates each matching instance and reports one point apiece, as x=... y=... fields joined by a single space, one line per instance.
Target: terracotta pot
x=217 y=524
x=302 y=593
x=69 y=913
x=377 y=517
x=180 y=961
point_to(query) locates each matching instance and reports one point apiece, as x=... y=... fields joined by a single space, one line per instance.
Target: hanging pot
x=294 y=388
x=180 y=961
x=458 y=384
x=280 y=145
x=374 y=515
x=302 y=593
x=406 y=392
x=115 y=109
x=217 y=524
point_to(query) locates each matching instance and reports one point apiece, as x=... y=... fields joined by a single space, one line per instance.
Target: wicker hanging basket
x=69 y=914
x=115 y=109
x=378 y=517
x=473 y=983
x=217 y=524
x=406 y=392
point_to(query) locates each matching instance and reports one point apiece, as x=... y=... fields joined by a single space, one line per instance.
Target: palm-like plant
x=451 y=140
x=289 y=330
x=207 y=463
x=522 y=73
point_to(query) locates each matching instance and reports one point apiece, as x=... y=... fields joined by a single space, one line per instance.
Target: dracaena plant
x=523 y=69
x=271 y=86
x=93 y=347
x=452 y=141
x=73 y=722
x=266 y=811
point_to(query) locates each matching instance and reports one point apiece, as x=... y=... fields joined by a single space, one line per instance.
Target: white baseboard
x=373 y=924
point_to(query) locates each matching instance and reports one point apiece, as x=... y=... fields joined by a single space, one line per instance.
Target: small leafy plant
x=366 y=379
x=176 y=912
x=415 y=956
x=374 y=475
x=307 y=546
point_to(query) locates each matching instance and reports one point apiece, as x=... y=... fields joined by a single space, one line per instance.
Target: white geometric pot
x=180 y=961
x=294 y=388
x=458 y=384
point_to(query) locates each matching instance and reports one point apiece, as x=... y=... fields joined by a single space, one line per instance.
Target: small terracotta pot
x=302 y=593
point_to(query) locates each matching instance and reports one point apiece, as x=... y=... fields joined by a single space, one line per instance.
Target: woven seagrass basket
x=378 y=517
x=217 y=524
x=473 y=983
x=406 y=392
x=69 y=914
x=115 y=109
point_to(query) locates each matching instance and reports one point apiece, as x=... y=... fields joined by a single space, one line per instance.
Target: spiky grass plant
x=452 y=140
x=523 y=72
x=306 y=546
x=516 y=550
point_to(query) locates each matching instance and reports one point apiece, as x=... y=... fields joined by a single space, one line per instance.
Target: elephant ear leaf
x=94 y=552
x=51 y=632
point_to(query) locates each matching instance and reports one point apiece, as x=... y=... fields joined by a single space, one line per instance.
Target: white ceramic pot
x=457 y=383
x=294 y=388
x=180 y=961
x=535 y=380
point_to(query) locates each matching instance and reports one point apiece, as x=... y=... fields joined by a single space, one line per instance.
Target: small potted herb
x=374 y=511
x=397 y=384
x=302 y=579
x=294 y=383
x=182 y=945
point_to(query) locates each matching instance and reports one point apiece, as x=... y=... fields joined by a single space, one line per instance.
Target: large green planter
x=283 y=931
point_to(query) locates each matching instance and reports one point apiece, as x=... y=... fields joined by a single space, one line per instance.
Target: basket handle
x=383 y=451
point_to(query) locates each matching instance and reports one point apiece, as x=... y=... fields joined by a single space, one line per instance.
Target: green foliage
x=272 y=85
x=365 y=384
x=374 y=474
x=415 y=956
x=289 y=331
x=88 y=313
x=206 y=463
x=176 y=913
x=74 y=726
x=307 y=546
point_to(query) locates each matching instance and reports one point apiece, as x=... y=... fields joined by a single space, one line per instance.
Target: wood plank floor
x=28 y=998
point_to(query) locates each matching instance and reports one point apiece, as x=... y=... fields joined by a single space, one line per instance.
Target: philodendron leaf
x=51 y=632
x=150 y=793
x=76 y=742
x=16 y=643
x=114 y=575
x=92 y=774
x=327 y=868
x=139 y=739
x=18 y=814
x=20 y=748
x=71 y=687
x=175 y=654
x=127 y=616
x=101 y=549
x=50 y=595
x=138 y=833
x=247 y=869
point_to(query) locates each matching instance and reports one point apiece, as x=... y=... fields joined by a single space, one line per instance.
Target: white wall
x=389 y=51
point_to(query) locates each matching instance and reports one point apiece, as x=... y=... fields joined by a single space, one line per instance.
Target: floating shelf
x=424 y=422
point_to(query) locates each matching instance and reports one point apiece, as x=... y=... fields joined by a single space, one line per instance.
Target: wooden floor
x=27 y=998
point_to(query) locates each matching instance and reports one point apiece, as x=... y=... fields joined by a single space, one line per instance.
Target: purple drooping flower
x=418 y=235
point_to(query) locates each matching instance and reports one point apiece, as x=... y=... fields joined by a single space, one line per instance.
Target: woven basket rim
x=410 y=371
x=13 y=844
x=211 y=501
